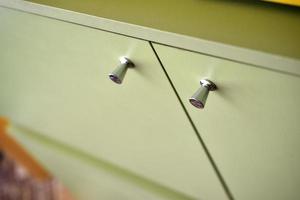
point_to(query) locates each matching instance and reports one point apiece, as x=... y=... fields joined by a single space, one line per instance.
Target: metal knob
x=199 y=98
x=118 y=74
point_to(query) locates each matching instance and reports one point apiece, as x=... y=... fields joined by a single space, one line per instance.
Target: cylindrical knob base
x=118 y=74
x=199 y=98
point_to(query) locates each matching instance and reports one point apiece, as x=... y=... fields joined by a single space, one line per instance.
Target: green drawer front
x=250 y=124
x=84 y=176
x=54 y=81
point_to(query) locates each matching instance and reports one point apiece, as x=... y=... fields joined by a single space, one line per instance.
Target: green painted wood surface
x=54 y=80
x=255 y=25
x=250 y=125
x=88 y=177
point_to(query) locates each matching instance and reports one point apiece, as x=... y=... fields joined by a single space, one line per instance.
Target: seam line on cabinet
x=154 y=42
x=208 y=154
x=231 y=60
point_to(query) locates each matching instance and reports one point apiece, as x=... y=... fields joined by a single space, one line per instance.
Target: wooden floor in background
x=21 y=176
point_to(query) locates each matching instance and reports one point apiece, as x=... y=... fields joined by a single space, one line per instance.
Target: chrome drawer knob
x=199 y=98
x=118 y=74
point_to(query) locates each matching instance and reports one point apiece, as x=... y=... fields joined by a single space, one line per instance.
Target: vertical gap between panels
x=225 y=187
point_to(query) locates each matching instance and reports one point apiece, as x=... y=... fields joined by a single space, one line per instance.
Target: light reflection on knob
x=199 y=98
x=118 y=74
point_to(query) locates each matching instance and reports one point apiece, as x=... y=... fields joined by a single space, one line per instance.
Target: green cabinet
x=250 y=124
x=142 y=138
x=54 y=82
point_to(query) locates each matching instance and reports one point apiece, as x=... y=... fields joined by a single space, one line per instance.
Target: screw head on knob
x=199 y=98
x=118 y=74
